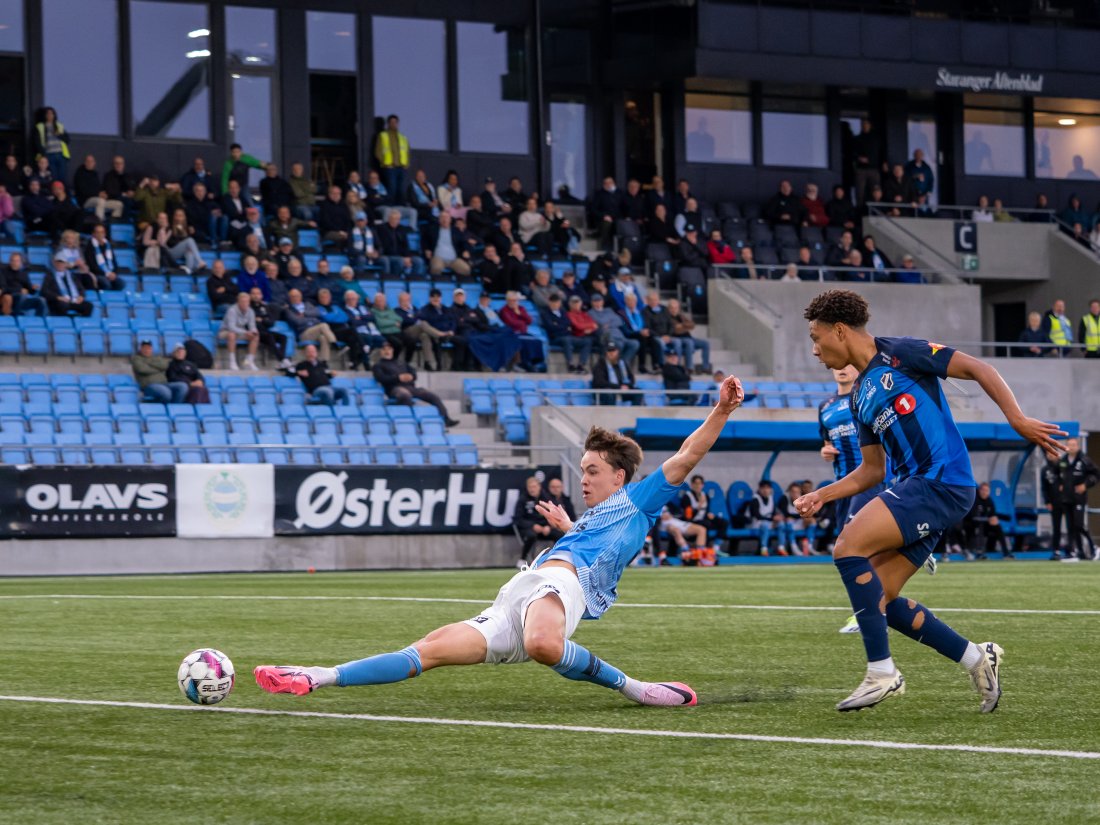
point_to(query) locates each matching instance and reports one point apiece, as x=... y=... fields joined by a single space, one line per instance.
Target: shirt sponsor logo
x=905 y=404
x=887 y=381
x=884 y=419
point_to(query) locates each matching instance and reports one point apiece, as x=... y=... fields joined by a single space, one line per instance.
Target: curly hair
x=616 y=449
x=839 y=306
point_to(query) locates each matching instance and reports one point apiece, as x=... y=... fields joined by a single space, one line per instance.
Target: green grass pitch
x=772 y=672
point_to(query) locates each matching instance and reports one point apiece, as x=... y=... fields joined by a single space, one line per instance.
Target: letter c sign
x=966 y=237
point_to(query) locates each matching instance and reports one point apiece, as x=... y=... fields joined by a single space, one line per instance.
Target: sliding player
x=901 y=413
x=537 y=611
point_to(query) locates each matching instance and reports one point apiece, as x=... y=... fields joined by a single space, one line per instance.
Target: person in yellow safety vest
x=1058 y=327
x=1089 y=330
x=52 y=142
x=391 y=149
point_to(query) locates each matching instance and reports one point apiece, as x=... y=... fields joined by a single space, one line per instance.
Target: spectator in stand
x=11 y=176
x=150 y=373
x=89 y=192
x=452 y=249
x=559 y=329
x=239 y=324
x=908 y=274
x=19 y=296
x=681 y=197
x=612 y=328
x=416 y=330
x=657 y=196
x=182 y=371
x=790 y=273
x=840 y=211
x=853 y=269
x=120 y=185
x=391 y=150
x=813 y=208
x=696 y=508
x=518 y=319
x=346 y=281
x=7 y=212
x=282 y=224
x=718 y=251
x=634 y=206
x=492 y=202
x=1034 y=335
x=1057 y=326
x=204 y=213
x=170 y=243
x=867 y=160
x=747 y=269
x=689 y=217
x=221 y=290
x=335 y=223
x=531 y=525
x=297 y=277
x=152 y=199
x=274 y=190
x=235 y=205
x=659 y=324
x=607 y=207
x=317 y=379
x=534 y=228
x=763 y=514
x=236 y=168
x=898 y=189
x=676 y=380
x=198 y=173
x=389 y=325
x=479 y=224
x=982 y=214
x=785 y=207
x=37 y=209
x=469 y=326
x=305 y=194
x=691 y=251
x=1000 y=214
x=611 y=372
x=1042 y=212
x=99 y=256
x=682 y=326
x=393 y=242
x=250 y=275
x=361 y=321
x=42 y=173
x=518 y=271
x=1088 y=331
x=982 y=526
x=449 y=195
x=495 y=345
x=491 y=271
x=421 y=195
x=840 y=254
x=920 y=174
x=398 y=380
x=569 y=288
x=514 y=195
x=51 y=142
x=624 y=285
x=875 y=257
x=636 y=330
x=68 y=251
x=378 y=200
x=277 y=287
x=542 y=289
x=253 y=226
x=354 y=184
x=362 y=248
x=305 y=321
x=659 y=229
x=66 y=215
x=333 y=314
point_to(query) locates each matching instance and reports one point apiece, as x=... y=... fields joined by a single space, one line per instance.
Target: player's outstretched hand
x=554 y=514
x=731 y=394
x=809 y=504
x=1041 y=433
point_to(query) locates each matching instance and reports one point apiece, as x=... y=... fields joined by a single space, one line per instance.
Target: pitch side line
x=649 y=605
x=480 y=723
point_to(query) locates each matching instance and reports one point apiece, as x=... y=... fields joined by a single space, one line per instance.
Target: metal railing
x=821 y=273
x=1017 y=349
x=959 y=212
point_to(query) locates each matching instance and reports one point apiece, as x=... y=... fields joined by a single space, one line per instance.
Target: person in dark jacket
x=1066 y=482
x=982 y=526
x=317 y=379
x=690 y=251
x=393 y=243
x=530 y=524
x=677 y=378
x=198 y=173
x=607 y=208
x=63 y=292
x=100 y=257
x=88 y=190
x=440 y=319
x=19 y=296
x=559 y=329
x=181 y=370
x=478 y=222
x=204 y=213
x=398 y=379
x=220 y=288
x=335 y=221
x=785 y=207
x=840 y=210
x=274 y=191
x=611 y=372
x=37 y=208
x=1036 y=337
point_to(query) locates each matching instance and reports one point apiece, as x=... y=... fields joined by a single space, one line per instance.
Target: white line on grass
x=481 y=723
x=651 y=605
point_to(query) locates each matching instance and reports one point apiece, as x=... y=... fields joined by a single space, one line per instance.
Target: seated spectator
x=542 y=289
x=659 y=323
x=252 y=227
x=42 y=173
x=623 y=285
x=62 y=290
x=557 y=496
x=276 y=287
x=491 y=272
x=250 y=275
x=88 y=190
x=316 y=378
x=908 y=274
x=265 y=321
x=120 y=185
x=37 y=209
x=808 y=269
x=874 y=256
x=150 y=371
x=695 y=506
x=221 y=290
x=982 y=526
x=449 y=195
x=854 y=270
x=68 y=250
x=676 y=378
x=840 y=210
x=682 y=325
x=557 y=323
x=924 y=208
x=607 y=208
x=793 y=521
x=763 y=515
x=99 y=256
x=435 y=325
x=239 y=324
x=182 y=371
x=393 y=242
x=566 y=238
x=657 y=195
x=1036 y=336
x=235 y=206
x=748 y=269
x=360 y=320
x=681 y=197
x=282 y=255
x=283 y=224
x=518 y=319
x=492 y=202
x=982 y=213
x=1041 y=212
x=1000 y=214
x=204 y=213
x=7 y=212
x=898 y=189
x=198 y=173
x=11 y=176
x=514 y=195
x=813 y=208
x=305 y=321
x=66 y=215
x=333 y=314
x=568 y=287
x=398 y=380
x=718 y=251
x=389 y=325
x=1074 y=215
x=839 y=254
x=531 y=525
x=612 y=328
x=151 y=199
x=649 y=345
x=690 y=217
x=612 y=373
x=451 y=249
x=172 y=243
x=660 y=229
x=785 y=207
x=504 y=238
x=362 y=247
x=478 y=223
x=421 y=196
x=634 y=206
x=493 y=344
x=274 y=190
x=679 y=531
x=518 y=271
x=18 y=295
x=378 y=198
x=534 y=228
x=305 y=194
x=790 y=273
x=335 y=222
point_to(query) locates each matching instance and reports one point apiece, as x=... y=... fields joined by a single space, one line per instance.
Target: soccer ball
x=206 y=676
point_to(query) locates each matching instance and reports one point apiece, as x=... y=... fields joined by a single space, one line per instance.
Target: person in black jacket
x=633 y=202
x=398 y=379
x=690 y=251
x=785 y=207
x=63 y=292
x=317 y=379
x=695 y=505
x=17 y=294
x=335 y=221
x=982 y=523
x=393 y=243
x=89 y=192
x=531 y=526
x=274 y=191
x=182 y=370
x=611 y=372
x=1066 y=482
x=607 y=207
x=37 y=208
x=676 y=378
x=204 y=213
x=100 y=257
x=559 y=330
x=220 y=288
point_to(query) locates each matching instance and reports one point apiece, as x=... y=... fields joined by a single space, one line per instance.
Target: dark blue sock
x=381 y=669
x=580 y=665
x=918 y=622
x=866 y=595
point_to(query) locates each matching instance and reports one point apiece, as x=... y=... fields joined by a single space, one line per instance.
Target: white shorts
x=679 y=524
x=502 y=622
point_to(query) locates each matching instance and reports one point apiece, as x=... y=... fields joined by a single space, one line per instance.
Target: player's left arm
x=555 y=515
x=1039 y=432
x=698 y=444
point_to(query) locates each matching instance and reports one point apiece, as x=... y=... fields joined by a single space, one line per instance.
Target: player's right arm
x=698 y=444
x=871 y=471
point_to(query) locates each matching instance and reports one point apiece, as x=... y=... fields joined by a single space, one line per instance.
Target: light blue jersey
x=604 y=540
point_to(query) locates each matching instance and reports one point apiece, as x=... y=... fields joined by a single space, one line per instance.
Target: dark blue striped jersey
x=839 y=429
x=897 y=402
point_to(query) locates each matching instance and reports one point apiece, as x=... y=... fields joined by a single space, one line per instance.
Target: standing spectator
x=682 y=325
x=317 y=379
x=866 y=159
x=531 y=525
x=204 y=214
x=334 y=222
x=920 y=174
x=120 y=185
x=451 y=249
x=612 y=373
x=150 y=373
x=152 y=199
x=1066 y=482
x=1034 y=335
x=305 y=194
x=265 y=322
x=391 y=150
x=813 y=207
x=236 y=167
x=274 y=190
x=182 y=371
x=239 y=323
x=63 y=292
x=198 y=173
x=398 y=380
x=19 y=295
x=51 y=141
x=607 y=208
x=1088 y=331
x=305 y=321
x=676 y=379
x=518 y=319
x=450 y=196
x=393 y=243
x=221 y=290
x=89 y=192
x=559 y=329
x=1057 y=326
x=99 y=256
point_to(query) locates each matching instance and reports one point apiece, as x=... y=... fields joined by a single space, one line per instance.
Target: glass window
x=492 y=90
x=80 y=72
x=250 y=102
x=794 y=133
x=994 y=142
x=418 y=97
x=569 y=147
x=718 y=128
x=331 y=41
x=170 y=69
x=1067 y=140
x=11 y=25
x=250 y=36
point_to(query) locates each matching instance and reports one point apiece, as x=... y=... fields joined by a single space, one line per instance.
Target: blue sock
x=918 y=622
x=866 y=595
x=381 y=669
x=580 y=665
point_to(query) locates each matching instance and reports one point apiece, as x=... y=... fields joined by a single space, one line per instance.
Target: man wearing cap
x=239 y=323
x=149 y=371
x=690 y=251
x=559 y=329
x=282 y=254
x=451 y=249
x=612 y=373
x=494 y=205
x=470 y=326
x=62 y=291
x=624 y=285
x=569 y=287
x=611 y=328
x=398 y=379
x=316 y=378
x=182 y=371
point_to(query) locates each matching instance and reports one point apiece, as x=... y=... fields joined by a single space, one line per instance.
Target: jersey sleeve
x=920 y=357
x=821 y=421
x=652 y=493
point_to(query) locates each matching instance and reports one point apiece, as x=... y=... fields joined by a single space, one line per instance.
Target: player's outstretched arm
x=698 y=444
x=555 y=515
x=974 y=369
x=871 y=471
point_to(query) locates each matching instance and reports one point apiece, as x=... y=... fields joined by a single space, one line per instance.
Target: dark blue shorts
x=924 y=509
x=846 y=508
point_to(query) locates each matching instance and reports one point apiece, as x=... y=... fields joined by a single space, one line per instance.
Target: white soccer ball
x=206 y=676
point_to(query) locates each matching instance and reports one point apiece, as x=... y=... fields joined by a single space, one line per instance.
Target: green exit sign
x=970 y=263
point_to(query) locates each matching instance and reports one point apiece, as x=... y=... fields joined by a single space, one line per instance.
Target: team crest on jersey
x=887 y=381
x=895 y=362
x=935 y=347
